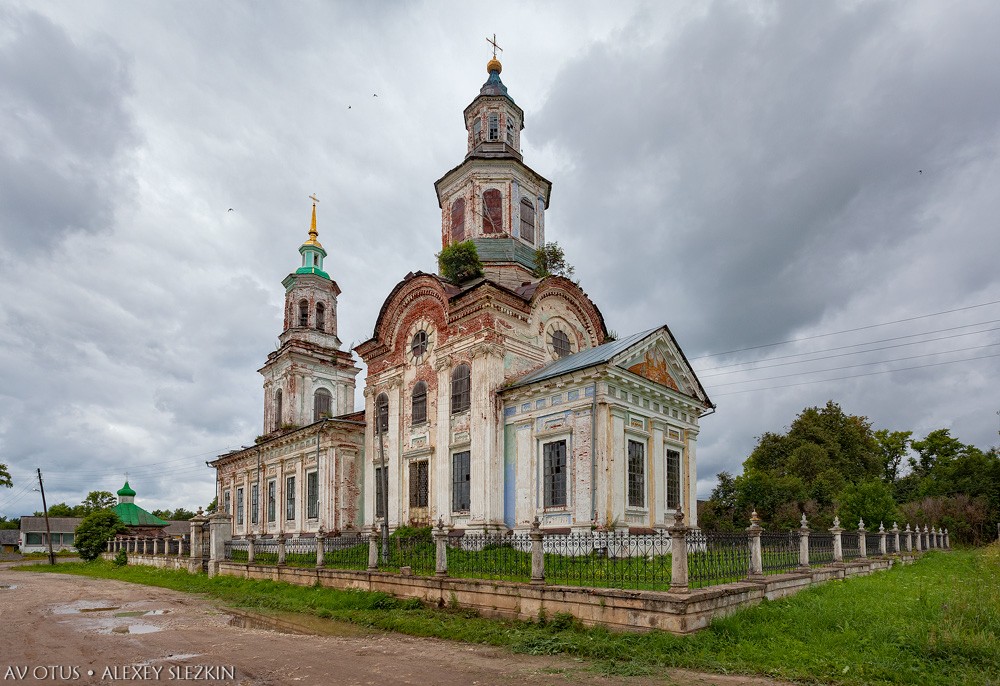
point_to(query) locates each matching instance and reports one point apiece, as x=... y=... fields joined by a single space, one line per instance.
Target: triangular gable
x=657 y=357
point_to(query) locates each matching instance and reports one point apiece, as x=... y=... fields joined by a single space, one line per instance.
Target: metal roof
x=583 y=359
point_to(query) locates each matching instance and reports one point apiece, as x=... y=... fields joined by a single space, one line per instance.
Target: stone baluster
x=756 y=571
x=838 y=548
x=320 y=548
x=441 y=545
x=862 y=541
x=881 y=540
x=678 y=554
x=537 y=553
x=804 y=544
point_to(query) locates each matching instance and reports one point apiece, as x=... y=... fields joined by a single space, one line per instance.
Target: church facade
x=488 y=403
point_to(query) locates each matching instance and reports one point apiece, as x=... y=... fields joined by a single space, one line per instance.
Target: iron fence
x=873 y=541
x=417 y=552
x=717 y=558
x=265 y=551
x=779 y=551
x=236 y=550
x=820 y=548
x=300 y=552
x=610 y=559
x=850 y=545
x=490 y=556
x=346 y=551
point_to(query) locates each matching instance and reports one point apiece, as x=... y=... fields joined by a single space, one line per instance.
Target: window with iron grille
x=239 y=506
x=289 y=497
x=418 y=346
x=322 y=404
x=554 y=477
x=492 y=211
x=458 y=221
x=379 y=493
x=418 y=405
x=527 y=221
x=320 y=317
x=382 y=412
x=278 y=407
x=312 y=495
x=673 y=479
x=461 y=475
x=254 y=503
x=560 y=344
x=636 y=474
x=272 y=500
x=419 y=485
x=303 y=313
x=494 y=127
x=227 y=501
x=461 y=389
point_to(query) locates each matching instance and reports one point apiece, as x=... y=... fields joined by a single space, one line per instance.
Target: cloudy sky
x=808 y=194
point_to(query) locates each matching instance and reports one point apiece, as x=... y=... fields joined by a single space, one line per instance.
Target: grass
x=933 y=622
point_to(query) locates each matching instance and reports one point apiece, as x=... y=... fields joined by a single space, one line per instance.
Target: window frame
x=240 y=506
x=279 y=407
x=461 y=486
x=419 y=484
x=272 y=501
x=492 y=222
x=561 y=336
x=320 y=317
x=461 y=389
x=255 y=503
x=510 y=131
x=419 y=348
x=555 y=476
x=381 y=503
x=457 y=230
x=493 y=127
x=312 y=494
x=382 y=414
x=672 y=477
x=227 y=501
x=526 y=203
x=418 y=400
x=318 y=412
x=303 y=314
x=635 y=473
x=290 y=498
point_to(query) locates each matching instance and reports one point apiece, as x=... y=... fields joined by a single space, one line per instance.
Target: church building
x=488 y=402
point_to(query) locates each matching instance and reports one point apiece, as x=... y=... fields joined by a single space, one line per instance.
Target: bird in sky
x=374 y=95
x=230 y=209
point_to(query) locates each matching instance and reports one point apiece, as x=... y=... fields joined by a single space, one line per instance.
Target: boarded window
x=494 y=127
x=379 y=492
x=458 y=221
x=272 y=500
x=227 y=502
x=303 y=313
x=419 y=485
x=278 y=409
x=382 y=411
x=239 y=506
x=492 y=211
x=461 y=387
x=254 y=503
x=418 y=406
x=527 y=221
x=636 y=474
x=560 y=344
x=673 y=479
x=554 y=477
x=510 y=132
x=312 y=495
x=461 y=475
x=322 y=404
x=290 y=497
x=320 y=317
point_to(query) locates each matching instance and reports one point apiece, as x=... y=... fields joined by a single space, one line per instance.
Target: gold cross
x=314 y=198
x=495 y=46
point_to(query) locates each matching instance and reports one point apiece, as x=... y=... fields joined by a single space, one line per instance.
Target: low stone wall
x=161 y=561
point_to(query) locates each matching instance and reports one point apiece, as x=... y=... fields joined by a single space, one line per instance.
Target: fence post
x=250 y=548
x=881 y=540
x=441 y=540
x=320 y=547
x=804 y=545
x=678 y=554
x=926 y=540
x=862 y=540
x=372 y=551
x=281 y=549
x=895 y=533
x=947 y=541
x=537 y=554
x=909 y=538
x=756 y=558
x=220 y=530
x=838 y=549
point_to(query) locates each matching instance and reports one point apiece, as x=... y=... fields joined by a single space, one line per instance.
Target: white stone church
x=487 y=403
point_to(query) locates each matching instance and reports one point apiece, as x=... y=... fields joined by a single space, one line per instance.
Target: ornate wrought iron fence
x=779 y=551
x=236 y=550
x=872 y=542
x=300 y=552
x=490 y=556
x=346 y=551
x=850 y=545
x=614 y=559
x=717 y=558
x=820 y=548
x=265 y=551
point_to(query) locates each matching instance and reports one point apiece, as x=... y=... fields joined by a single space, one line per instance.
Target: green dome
x=126 y=490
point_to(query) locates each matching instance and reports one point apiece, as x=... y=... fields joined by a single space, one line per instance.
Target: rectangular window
x=379 y=493
x=227 y=501
x=461 y=475
x=272 y=500
x=477 y=129
x=33 y=539
x=636 y=474
x=289 y=497
x=254 y=503
x=239 y=506
x=510 y=132
x=494 y=127
x=554 y=478
x=673 y=479
x=419 y=485
x=312 y=495
x=67 y=539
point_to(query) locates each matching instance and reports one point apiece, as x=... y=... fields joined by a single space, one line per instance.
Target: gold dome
x=493 y=66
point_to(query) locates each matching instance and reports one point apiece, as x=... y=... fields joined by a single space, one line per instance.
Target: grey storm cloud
x=65 y=124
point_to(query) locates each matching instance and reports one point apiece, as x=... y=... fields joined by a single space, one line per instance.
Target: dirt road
x=57 y=629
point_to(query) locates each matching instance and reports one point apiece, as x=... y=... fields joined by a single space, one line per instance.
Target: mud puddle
x=292 y=623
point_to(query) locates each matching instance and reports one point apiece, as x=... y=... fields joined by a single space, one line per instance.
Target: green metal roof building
x=131 y=514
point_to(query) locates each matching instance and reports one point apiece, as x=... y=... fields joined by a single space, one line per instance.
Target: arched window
x=382 y=412
x=418 y=405
x=560 y=344
x=458 y=221
x=418 y=346
x=278 y=409
x=322 y=404
x=303 y=313
x=527 y=221
x=320 y=317
x=492 y=211
x=461 y=389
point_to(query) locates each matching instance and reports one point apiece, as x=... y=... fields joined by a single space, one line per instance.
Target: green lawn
x=933 y=622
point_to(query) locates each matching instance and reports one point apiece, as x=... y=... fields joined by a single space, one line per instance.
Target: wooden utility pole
x=45 y=509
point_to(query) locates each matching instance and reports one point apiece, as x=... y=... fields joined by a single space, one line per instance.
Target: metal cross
x=495 y=46
x=314 y=198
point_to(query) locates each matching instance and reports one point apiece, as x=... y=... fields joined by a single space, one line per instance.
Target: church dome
x=494 y=66
x=126 y=490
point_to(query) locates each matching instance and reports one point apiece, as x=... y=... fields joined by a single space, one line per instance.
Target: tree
x=869 y=500
x=5 y=479
x=14 y=523
x=550 y=260
x=95 y=531
x=892 y=448
x=459 y=262
x=61 y=510
x=214 y=505
x=98 y=500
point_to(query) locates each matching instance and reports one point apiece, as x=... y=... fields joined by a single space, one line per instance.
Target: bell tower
x=308 y=378
x=492 y=197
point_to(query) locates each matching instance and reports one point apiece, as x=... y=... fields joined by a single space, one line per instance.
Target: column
x=690 y=469
x=862 y=542
x=881 y=540
x=756 y=557
x=895 y=532
x=804 y=545
x=441 y=543
x=678 y=554
x=320 y=547
x=838 y=549
x=537 y=556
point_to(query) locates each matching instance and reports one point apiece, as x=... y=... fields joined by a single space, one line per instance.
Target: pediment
x=657 y=357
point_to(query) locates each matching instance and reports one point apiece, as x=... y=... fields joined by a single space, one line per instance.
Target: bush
x=95 y=531
x=459 y=262
x=121 y=559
